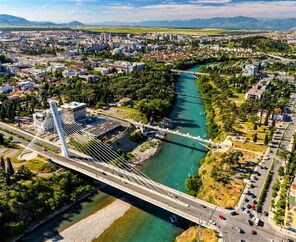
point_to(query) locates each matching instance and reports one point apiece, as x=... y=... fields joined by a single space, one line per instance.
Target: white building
x=69 y=73
x=78 y=110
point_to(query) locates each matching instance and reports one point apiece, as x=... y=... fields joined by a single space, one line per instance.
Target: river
x=179 y=157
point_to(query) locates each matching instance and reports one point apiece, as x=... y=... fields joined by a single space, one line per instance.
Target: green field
x=139 y=30
x=128 y=30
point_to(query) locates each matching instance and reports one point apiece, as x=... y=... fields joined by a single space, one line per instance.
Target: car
x=246 y=200
x=265 y=213
x=222 y=217
x=243 y=208
x=253 y=195
x=212 y=222
x=251 y=223
x=249 y=206
x=254 y=232
x=255 y=202
x=233 y=213
x=252 y=186
x=255 y=178
x=239 y=230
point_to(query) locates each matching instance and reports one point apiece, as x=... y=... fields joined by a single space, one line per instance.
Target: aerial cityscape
x=148 y=121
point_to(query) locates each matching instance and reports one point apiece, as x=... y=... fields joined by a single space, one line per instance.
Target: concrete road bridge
x=83 y=153
x=189 y=72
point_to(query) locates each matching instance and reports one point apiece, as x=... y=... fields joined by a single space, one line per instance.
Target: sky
x=94 y=11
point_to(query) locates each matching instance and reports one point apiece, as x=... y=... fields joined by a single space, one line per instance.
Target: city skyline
x=93 y=11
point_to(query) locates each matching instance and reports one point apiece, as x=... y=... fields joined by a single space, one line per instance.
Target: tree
x=253 y=119
x=9 y=167
x=1 y=139
x=255 y=138
x=266 y=119
x=281 y=171
x=266 y=139
x=193 y=183
x=2 y=163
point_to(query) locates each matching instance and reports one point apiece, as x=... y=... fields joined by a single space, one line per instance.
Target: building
x=78 y=110
x=252 y=69
x=69 y=73
x=136 y=67
x=278 y=114
x=6 y=89
x=44 y=120
x=257 y=92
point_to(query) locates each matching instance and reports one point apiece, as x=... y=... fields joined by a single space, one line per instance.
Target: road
x=285 y=134
x=167 y=198
x=281 y=140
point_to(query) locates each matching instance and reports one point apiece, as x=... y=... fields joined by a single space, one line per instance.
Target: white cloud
x=196 y=9
x=86 y=12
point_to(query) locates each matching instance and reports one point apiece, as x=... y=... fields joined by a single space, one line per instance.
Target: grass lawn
x=190 y=235
x=224 y=195
x=126 y=113
x=13 y=154
x=247 y=130
x=38 y=166
x=238 y=98
x=250 y=146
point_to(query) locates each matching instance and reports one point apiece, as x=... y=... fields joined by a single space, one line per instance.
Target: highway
x=164 y=197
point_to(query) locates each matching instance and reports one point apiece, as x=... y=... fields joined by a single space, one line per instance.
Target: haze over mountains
x=219 y=22
x=9 y=20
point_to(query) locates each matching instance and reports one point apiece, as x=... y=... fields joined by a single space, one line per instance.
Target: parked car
x=254 y=232
x=238 y=229
x=222 y=217
x=251 y=223
x=265 y=213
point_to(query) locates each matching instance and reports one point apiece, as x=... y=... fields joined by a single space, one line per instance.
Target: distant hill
x=74 y=23
x=10 y=20
x=219 y=23
x=228 y=23
x=6 y=19
x=239 y=22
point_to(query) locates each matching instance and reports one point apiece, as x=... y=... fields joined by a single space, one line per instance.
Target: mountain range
x=9 y=20
x=239 y=22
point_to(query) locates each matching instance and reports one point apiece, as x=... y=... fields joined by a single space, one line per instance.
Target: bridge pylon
x=59 y=127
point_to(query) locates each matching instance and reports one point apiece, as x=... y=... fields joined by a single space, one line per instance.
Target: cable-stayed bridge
x=78 y=150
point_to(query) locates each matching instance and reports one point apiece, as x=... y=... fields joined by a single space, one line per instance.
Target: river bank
x=49 y=217
x=95 y=224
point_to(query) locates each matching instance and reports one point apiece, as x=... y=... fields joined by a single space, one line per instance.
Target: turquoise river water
x=179 y=158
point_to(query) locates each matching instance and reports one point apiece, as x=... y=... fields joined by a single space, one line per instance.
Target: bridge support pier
x=59 y=127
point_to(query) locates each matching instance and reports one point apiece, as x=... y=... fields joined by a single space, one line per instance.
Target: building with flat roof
x=78 y=110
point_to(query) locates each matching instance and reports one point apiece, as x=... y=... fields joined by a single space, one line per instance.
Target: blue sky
x=91 y=11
